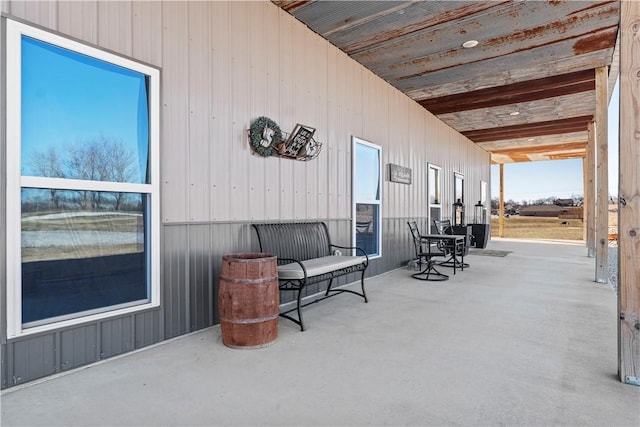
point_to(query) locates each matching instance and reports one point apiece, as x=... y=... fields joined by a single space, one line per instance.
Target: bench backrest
x=299 y=240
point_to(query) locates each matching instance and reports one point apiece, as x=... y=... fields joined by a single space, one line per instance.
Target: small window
x=82 y=182
x=434 y=196
x=367 y=186
x=458 y=188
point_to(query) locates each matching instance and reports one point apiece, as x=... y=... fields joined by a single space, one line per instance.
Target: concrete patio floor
x=523 y=340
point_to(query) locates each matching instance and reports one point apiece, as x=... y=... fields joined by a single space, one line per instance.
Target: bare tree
x=120 y=164
x=47 y=164
x=100 y=159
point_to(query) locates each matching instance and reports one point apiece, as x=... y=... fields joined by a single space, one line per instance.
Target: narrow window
x=82 y=182
x=434 y=197
x=458 y=189
x=367 y=186
x=458 y=207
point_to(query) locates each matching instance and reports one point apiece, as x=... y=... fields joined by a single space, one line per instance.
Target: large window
x=367 y=186
x=82 y=182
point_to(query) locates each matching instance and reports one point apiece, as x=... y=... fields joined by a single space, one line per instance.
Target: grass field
x=531 y=227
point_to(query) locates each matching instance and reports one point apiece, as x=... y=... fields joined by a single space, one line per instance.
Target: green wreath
x=264 y=136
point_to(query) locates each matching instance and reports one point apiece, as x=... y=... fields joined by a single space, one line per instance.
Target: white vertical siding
x=226 y=63
x=241 y=161
x=220 y=131
x=115 y=26
x=174 y=121
x=77 y=19
x=271 y=67
x=257 y=85
x=147 y=31
x=199 y=80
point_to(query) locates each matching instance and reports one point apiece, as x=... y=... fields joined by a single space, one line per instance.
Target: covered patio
x=524 y=339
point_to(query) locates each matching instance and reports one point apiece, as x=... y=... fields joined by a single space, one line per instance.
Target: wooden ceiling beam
x=541 y=149
x=572 y=124
x=527 y=91
x=567 y=156
x=291 y=5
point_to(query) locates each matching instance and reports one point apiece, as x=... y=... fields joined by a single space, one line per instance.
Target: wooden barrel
x=248 y=300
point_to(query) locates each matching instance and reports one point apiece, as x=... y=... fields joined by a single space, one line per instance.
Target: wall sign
x=300 y=144
x=266 y=140
x=399 y=174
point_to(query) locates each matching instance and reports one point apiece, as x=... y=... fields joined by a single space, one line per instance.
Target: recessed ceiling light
x=469 y=44
x=514 y=113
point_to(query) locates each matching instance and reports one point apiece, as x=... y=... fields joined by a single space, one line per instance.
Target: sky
x=117 y=96
x=555 y=178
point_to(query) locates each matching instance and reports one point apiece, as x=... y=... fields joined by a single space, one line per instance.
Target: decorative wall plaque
x=266 y=140
x=399 y=174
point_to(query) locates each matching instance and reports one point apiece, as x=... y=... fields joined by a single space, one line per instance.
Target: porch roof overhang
x=526 y=92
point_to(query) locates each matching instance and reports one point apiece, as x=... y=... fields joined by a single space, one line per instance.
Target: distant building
x=541 y=210
x=563 y=202
x=551 y=211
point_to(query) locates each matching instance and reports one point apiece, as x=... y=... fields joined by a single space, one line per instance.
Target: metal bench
x=306 y=256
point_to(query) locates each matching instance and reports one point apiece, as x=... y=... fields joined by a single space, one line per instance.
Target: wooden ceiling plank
x=480 y=136
x=564 y=138
x=547 y=87
x=582 y=104
x=572 y=124
x=460 y=81
x=418 y=17
x=523 y=26
x=541 y=149
x=292 y=6
x=433 y=72
x=567 y=156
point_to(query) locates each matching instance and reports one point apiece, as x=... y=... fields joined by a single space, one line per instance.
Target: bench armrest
x=353 y=247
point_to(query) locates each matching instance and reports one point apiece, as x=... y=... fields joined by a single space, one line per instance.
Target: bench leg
x=328 y=287
x=299 y=308
x=364 y=294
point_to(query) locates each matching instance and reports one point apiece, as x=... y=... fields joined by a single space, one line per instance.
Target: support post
x=629 y=196
x=602 y=177
x=590 y=191
x=501 y=210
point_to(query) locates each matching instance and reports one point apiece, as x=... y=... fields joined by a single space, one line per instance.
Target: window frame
x=355 y=201
x=438 y=189
x=458 y=177
x=14 y=31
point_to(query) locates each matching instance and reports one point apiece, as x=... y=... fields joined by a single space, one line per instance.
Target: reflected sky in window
x=73 y=100
x=368 y=173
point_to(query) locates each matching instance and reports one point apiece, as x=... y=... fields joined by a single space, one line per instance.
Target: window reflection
x=82 y=118
x=367 y=227
x=434 y=186
x=458 y=188
x=81 y=251
x=368 y=173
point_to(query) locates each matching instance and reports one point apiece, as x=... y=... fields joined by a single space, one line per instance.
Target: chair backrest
x=413 y=228
x=415 y=234
x=443 y=227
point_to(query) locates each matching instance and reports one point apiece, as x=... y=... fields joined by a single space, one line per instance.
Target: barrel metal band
x=249 y=281
x=258 y=320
